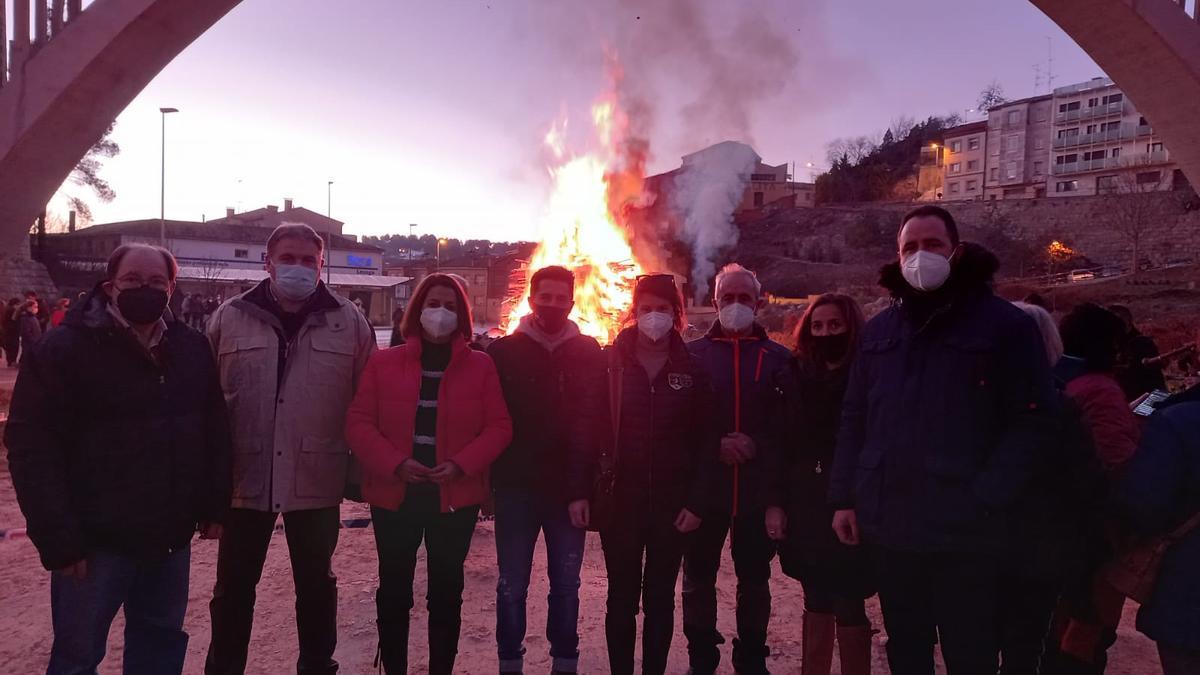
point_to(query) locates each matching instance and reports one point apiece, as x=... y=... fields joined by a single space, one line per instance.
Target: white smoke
x=707 y=189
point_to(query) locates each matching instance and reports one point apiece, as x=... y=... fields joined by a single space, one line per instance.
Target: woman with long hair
x=1085 y=623
x=665 y=451
x=427 y=421
x=836 y=578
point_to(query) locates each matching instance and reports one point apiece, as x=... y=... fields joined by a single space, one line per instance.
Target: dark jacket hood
x=973 y=268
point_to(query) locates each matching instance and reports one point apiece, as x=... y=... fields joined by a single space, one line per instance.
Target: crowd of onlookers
x=1003 y=481
x=196 y=308
x=24 y=320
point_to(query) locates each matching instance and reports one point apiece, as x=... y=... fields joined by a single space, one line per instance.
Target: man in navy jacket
x=742 y=363
x=948 y=404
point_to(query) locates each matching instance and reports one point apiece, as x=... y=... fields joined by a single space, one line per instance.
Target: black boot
x=393 y=646
x=750 y=659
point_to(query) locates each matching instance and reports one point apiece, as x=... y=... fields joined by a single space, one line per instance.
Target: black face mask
x=831 y=348
x=142 y=305
x=552 y=319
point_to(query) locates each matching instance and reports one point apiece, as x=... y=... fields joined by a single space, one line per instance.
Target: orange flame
x=582 y=228
x=1060 y=251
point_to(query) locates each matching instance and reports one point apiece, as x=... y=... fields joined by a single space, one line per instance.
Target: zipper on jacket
x=650 y=463
x=737 y=418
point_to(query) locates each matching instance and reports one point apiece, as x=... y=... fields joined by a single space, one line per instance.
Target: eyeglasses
x=134 y=281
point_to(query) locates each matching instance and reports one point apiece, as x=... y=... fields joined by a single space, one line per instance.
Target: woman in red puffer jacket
x=428 y=420
x=1085 y=624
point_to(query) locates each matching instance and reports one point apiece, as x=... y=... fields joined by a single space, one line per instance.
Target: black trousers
x=1025 y=607
x=752 y=553
x=939 y=597
x=12 y=348
x=398 y=536
x=311 y=538
x=654 y=537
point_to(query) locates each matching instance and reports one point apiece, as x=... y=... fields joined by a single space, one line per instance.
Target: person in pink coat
x=427 y=421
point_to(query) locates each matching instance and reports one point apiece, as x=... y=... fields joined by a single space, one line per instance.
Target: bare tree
x=1134 y=208
x=86 y=174
x=991 y=96
x=210 y=273
x=835 y=150
x=902 y=126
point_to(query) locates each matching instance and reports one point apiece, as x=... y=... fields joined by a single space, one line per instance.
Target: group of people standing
x=196 y=308
x=23 y=321
x=929 y=455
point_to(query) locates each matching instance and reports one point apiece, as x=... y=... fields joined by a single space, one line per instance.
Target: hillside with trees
x=863 y=169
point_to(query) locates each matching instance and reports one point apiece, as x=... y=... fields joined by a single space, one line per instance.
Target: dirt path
x=25 y=599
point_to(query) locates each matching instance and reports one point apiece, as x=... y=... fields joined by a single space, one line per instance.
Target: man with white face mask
x=742 y=362
x=949 y=406
x=290 y=353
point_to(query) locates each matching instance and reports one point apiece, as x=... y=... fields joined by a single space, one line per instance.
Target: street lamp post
x=439 y=253
x=329 y=199
x=162 y=183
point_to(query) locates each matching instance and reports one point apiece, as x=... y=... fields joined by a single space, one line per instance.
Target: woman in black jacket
x=666 y=451
x=836 y=577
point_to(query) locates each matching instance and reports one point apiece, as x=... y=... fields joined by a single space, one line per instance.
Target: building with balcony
x=1102 y=145
x=1018 y=148
x=963 y=161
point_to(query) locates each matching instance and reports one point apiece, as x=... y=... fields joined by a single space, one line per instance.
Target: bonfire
x=583 y=227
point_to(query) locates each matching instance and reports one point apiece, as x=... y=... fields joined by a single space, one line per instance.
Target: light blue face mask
x=294 y=282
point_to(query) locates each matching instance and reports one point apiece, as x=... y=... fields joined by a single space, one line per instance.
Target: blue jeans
x=155 y=596
x=519 y=518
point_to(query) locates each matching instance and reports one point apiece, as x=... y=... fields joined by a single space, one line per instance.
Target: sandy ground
x=26 y=629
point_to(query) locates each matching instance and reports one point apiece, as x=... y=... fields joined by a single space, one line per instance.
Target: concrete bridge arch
x=68 y=82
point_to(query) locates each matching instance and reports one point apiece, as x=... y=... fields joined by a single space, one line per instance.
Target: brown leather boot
x=854 y=647
x=819 y=630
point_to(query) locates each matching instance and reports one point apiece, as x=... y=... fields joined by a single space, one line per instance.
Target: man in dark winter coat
x=948 y=403
x=742 y=363
x=542 y=366
x=1160 y=491
x=119 y=451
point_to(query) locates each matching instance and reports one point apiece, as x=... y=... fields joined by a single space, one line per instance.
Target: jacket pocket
x=950 y=501
x=331 y=359
x=245 y=361
x=321 y=467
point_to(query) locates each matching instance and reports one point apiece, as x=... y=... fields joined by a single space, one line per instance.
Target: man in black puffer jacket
x=743 y=364
x=543 y=367
x=949 y=403
x=119 y=451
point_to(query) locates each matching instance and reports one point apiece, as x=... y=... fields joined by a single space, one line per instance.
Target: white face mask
x=655 y=325
x=294 y=282
x=925 y=271
x=438 y=321
x=736 y=317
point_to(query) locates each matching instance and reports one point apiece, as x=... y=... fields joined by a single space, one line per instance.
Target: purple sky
x=433 y=112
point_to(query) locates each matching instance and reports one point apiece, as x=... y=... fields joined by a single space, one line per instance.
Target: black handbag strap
x=616 y=379
x=1183 y=530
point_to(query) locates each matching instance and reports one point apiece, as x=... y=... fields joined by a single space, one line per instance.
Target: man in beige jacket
x=289 y=353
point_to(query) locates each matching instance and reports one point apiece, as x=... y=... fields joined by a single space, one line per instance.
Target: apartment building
x=1102 y=145
x=1083 y=139
x=1018 y=148
x=963 y=161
